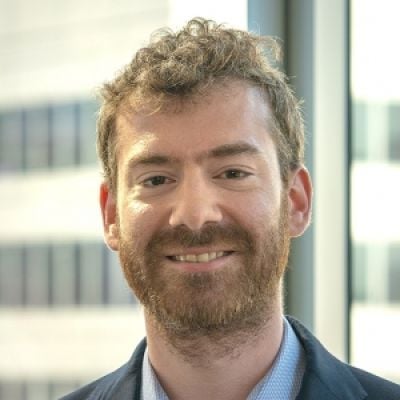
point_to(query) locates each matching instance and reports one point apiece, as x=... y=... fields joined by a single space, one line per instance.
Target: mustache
x=182 y=236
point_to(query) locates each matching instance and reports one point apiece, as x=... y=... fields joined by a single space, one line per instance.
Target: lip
x=197 y=251
x=211 y=265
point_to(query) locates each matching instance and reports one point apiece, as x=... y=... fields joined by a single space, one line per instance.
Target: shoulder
x=376 y=387
x=329 y=378
x=85 y=391
x=123 y=383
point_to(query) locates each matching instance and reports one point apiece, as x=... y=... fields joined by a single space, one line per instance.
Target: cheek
x=258 y=210
x=136 y=219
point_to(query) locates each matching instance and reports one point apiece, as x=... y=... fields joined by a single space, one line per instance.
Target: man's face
x=201 y=219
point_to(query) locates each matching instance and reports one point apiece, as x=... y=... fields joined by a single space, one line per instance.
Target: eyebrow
x=225 y=150
x=232 y=149
x=152 y=159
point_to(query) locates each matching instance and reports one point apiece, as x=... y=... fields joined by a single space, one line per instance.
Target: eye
x=157 y=180
x=234 y=174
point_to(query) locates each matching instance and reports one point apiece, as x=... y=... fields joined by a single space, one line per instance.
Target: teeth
x=204 y=257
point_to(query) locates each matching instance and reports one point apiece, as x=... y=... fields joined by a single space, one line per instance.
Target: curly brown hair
x=178 y=66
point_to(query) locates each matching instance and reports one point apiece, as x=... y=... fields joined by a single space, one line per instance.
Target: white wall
x=50 y=50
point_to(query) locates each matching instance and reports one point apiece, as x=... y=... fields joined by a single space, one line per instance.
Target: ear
x=299 y=201
x=109 y=214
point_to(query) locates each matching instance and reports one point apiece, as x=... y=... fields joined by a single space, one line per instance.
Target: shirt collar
x=151 y=388
x=283 y=381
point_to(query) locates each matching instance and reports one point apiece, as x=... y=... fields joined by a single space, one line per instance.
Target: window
x=11 y=141
x=375 y=177
x=64 y=135
x=37 y=139
x=37 y=275
x=12 y=278
x=87 y=132
x=48 y=136
x=63 y=276
x=91 y=285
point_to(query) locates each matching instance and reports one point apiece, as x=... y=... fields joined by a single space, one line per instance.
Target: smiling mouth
x=200 y=258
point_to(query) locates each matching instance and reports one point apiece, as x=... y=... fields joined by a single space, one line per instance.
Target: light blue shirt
x=282 y=381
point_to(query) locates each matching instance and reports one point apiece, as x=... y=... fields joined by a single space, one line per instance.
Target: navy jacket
x=325 y=378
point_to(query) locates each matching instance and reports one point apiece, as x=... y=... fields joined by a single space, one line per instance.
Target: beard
x=239 y=297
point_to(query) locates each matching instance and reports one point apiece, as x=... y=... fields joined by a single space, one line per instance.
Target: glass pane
x=394 y=131
x=394 y=274
x=118 y=290
x=12 y=390
x=37 y=275
x=37 y=391
x=87 y=132
x=63 y=135
x=11 y=276
x=59 y=389
x=375 y=188
x=91 y=273
x=11 y=141
x=63 y=274
x=37 y=138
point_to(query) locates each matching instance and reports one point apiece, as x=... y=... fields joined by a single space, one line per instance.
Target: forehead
x=226 y=113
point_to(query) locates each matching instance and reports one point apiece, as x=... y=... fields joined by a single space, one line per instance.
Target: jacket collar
x=124 y=383
x=325 y=377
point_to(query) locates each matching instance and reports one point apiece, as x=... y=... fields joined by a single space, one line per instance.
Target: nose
x=196 y=204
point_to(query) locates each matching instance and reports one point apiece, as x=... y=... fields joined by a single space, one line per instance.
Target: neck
x=231 y=366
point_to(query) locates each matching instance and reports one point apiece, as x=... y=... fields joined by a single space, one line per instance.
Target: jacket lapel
x=125 y=383
x=325 y=377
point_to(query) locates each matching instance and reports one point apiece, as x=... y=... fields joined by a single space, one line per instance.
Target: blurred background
x=66 y=315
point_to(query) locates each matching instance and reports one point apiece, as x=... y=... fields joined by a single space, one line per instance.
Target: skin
x=193 y=183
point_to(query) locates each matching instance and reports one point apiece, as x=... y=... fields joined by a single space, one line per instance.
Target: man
x=201 y=141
